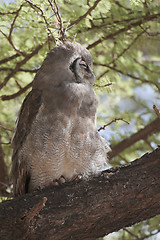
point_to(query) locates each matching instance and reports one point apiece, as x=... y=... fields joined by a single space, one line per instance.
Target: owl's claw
x=59 y=181
x=76 y=178
x=62 y=180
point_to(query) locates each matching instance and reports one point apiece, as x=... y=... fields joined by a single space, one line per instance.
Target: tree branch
x=140 y=135
x=87 y=210
x=20 y=70
x=124 y=29
x=59 y=19
x=11 y=30
x=114 y=120
x=12 y=96
x=130 y=75
x=34 y=6
x=21 y=63
x=84 y=15
x=9 y=58
x=9 y=37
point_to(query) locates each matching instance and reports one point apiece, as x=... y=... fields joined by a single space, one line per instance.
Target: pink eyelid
x=83 y=64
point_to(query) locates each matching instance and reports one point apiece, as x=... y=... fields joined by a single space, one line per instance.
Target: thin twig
x=121 y=54
x=44 y=17
x=59 y=19
x=127 y=48
x=114 y=120
x=18 y=84
x=14 y=20
x=9 y=37
x=84 y=15
x=102 y=74
x=145 y=67
x=133 y=235
x=4 y=128
x=102 y=86
x=131 y=76
x=12 y=44
x=6 y=13
x=121 y=6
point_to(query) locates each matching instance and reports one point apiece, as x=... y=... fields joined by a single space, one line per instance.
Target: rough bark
x=118 y=198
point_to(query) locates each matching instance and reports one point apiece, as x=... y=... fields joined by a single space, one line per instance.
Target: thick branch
x=86 y=209
x=140 y=135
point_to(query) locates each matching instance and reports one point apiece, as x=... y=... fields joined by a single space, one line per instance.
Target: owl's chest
x=60 y=143
x=63 y=143
x=58 y=131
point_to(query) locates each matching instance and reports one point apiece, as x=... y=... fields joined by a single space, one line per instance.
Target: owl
x=56 y=138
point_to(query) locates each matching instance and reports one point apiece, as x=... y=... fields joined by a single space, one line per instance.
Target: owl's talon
x=77 y=178
x=62 y=180
x=55 y=183
x=59 y=181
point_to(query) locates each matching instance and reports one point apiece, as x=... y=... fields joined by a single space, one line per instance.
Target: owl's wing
x=28 y=112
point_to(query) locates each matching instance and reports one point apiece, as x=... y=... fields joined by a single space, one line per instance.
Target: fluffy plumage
x=56 y=133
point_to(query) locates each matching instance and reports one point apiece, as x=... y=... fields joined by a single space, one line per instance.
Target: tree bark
x=118 y=198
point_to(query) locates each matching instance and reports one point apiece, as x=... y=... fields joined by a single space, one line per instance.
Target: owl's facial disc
x=72 y=67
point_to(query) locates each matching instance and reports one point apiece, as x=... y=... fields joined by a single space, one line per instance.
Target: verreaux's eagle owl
x=56 y=133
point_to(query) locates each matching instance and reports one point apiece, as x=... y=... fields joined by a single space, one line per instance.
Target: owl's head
x=67 y=62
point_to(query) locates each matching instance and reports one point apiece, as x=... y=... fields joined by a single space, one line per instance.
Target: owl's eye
x=83 y=64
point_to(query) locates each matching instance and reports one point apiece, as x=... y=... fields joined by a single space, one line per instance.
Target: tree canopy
x=123 y=37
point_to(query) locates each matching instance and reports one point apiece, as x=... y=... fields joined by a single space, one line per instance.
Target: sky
x=6 y=1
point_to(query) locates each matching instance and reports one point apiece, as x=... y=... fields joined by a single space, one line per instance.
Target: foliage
x=123 y=38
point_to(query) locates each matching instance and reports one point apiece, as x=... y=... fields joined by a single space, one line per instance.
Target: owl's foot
x=76 y=178
x=59 y=181
x=62 y=180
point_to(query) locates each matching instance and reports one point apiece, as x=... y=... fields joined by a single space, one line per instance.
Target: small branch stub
x=156 y=111
x=34 y=210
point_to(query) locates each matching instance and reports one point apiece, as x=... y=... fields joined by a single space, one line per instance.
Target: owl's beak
x=93 y=77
